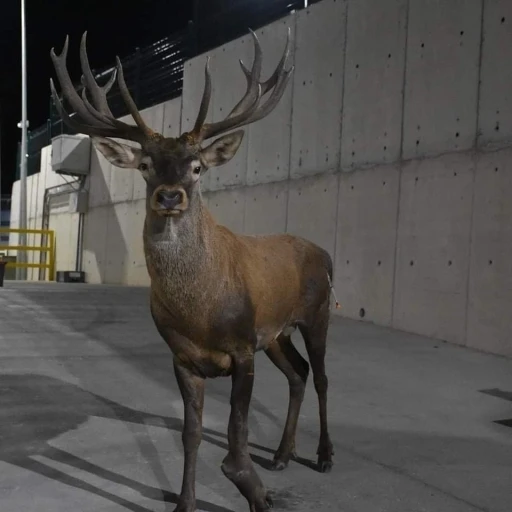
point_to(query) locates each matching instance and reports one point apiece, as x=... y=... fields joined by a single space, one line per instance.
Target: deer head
x=170 y=166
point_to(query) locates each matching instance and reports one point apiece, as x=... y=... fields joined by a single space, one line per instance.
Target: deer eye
x=143 y=167
x=197 y=169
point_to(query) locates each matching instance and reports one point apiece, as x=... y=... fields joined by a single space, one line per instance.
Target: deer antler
x=96 y=118
x=247 y=110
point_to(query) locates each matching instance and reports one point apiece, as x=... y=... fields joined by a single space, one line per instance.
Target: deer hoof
x=325 y=466
x=281 y=460
x=263 y=506
x=325 y=452
x=278 y=465
x=185 y=508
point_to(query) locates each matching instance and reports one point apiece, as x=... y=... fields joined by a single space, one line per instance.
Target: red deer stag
x=216 y=297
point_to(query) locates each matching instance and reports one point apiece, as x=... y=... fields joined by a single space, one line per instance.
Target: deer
x=216 y=297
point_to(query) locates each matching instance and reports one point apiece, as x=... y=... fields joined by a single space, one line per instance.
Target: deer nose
x=169 y=199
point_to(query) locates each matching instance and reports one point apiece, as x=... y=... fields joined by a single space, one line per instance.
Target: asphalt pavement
x=91 y=416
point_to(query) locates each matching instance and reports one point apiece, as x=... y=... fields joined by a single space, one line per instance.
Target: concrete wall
x=391 y=148
x=63 y=223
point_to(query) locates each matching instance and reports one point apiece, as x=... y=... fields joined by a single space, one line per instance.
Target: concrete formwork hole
x=362 y=313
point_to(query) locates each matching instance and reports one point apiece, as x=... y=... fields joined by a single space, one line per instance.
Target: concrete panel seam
x=295 y=39
x=474 y=158
x=402 y=128
x=287 y=206
x=366 y=165
x=292 y=94
x=433 y=156
x=493 y=146
x=342 y=103
x=404 y=77
x=338 y=184
x=395 y=257
x=479 y=88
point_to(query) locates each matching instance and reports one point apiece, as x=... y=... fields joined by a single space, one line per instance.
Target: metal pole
x=0 y=160
x=22 y=255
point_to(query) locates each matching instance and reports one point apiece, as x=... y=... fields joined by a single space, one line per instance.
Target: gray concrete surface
x=90 y=416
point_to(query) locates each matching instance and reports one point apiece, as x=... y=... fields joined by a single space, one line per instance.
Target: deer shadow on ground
x=35 y=409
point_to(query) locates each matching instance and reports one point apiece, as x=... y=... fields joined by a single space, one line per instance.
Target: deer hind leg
x=315 y=338
x=237 y=465
x=296 y=369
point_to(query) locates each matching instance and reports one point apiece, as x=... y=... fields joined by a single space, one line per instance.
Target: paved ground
x=90 y=416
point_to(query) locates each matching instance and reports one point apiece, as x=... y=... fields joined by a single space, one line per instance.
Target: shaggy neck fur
x=179 y=250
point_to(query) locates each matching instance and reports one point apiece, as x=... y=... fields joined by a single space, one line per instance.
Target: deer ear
x=118 y=154
x=222 y=150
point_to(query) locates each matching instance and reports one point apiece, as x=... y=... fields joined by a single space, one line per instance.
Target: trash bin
x=2 y=272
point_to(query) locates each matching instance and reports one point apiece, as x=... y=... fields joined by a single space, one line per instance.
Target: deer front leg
x=192 y=392
x=237 y=465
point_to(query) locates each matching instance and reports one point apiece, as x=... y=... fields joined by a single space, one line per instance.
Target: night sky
x=113 y=28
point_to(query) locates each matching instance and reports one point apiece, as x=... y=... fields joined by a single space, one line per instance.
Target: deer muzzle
x=169 y=200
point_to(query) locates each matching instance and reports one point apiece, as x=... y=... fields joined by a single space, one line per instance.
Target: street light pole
x=22 y=255
x=0 y=158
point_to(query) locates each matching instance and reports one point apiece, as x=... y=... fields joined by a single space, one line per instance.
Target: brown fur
x=262 y=284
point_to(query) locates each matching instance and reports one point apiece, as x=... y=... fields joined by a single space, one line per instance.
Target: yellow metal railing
x=49 y=248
